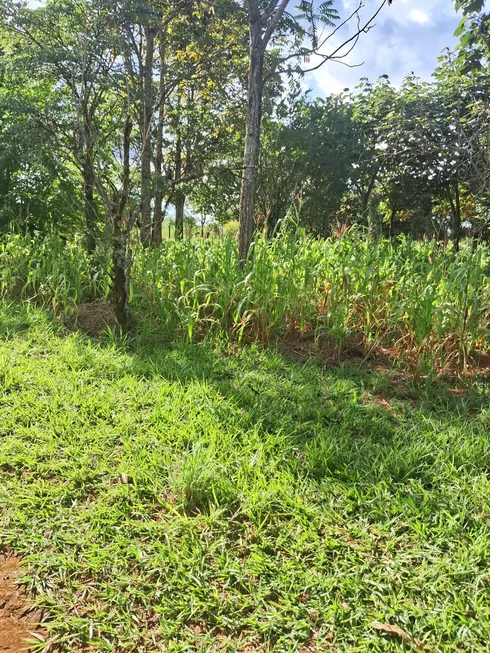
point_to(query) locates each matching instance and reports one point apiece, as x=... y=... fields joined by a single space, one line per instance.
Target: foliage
x=409 y=158
x=427 y=306
x=308 y=156
x=49 y=271
x=230 y=229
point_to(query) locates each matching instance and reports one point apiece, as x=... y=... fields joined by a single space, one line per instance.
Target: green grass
x=427 y=306
x=202 y=497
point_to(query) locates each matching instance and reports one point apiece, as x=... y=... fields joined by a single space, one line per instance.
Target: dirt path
x=17 y=619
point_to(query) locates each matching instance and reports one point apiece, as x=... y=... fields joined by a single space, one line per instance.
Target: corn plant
x=424 y=305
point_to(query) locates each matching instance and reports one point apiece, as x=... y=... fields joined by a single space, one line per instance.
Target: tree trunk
x=121 y=261
x=147 y=112
x=392 y=223
x=374 y=222
x=457 y=220
x=252 y=135
x=158 y=215
x=179 y=203
x=364 y=204
x=179 y=200
x=156 y=230
x=366 y=194
x=90 y=207
x=455 y=205
x=121 y=229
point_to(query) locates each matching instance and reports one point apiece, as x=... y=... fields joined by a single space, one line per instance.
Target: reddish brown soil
x=18 y=621
x=482 y=361
x=302 y=346
x=378 y=359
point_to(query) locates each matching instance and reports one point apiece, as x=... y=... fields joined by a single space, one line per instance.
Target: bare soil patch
x=353 y=352
x=94 y=317
x=18 y=620
x=482 y=361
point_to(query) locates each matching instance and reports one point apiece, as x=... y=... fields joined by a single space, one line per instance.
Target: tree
x=372 y=110
x=207 y=101
x=38 y=188
x=78 y=50
x=72 y=47
x=270 y=23
x=308 y=153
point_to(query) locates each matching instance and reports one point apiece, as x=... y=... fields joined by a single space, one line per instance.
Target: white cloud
x=328 y=83
x=418 y=16
x=407 y=37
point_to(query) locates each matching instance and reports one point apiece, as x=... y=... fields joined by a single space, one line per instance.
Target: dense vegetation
x=419 y=303
x=110 y=113
x=244 y=332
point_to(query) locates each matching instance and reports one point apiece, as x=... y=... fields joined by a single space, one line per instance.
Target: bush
x=230 y=229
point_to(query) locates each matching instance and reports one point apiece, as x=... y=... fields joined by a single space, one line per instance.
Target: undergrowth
x=417 y=301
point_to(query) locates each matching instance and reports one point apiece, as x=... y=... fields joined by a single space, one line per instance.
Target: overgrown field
x=208 y=497
x=419 y=303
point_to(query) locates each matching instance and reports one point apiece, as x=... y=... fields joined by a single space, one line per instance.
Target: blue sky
x=407 y=37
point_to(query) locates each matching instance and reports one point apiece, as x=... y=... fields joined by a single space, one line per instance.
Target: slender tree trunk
x=121 y=261
x=121 y=229
x=156 y=232
x=374 y=221
x=392 y=223
x=90 y=207
x=158 y=215
x=366 y=195
x=159 y=218
x=364 y=204
x=179 y=200
x=179 y=203
x=457 y=219
x=252 y=135
x=88 y=176
x=455 y=205
x=8 y=180
x=147 y=111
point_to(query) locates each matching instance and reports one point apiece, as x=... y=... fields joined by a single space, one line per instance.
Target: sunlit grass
x=211 y=498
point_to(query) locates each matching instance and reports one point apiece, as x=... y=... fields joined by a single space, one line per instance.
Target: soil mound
x=95 y=317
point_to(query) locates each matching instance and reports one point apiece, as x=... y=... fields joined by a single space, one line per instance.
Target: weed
x=425 y=306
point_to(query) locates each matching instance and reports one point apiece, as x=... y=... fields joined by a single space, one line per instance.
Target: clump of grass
x=198 y=480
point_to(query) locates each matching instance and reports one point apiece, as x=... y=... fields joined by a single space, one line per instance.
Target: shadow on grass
x=352 y=423
x=16 y=319
x=248 y=490
x=347 y=417
x=220 y=365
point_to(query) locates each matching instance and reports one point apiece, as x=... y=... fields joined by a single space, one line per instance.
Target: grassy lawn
x=203 y=498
